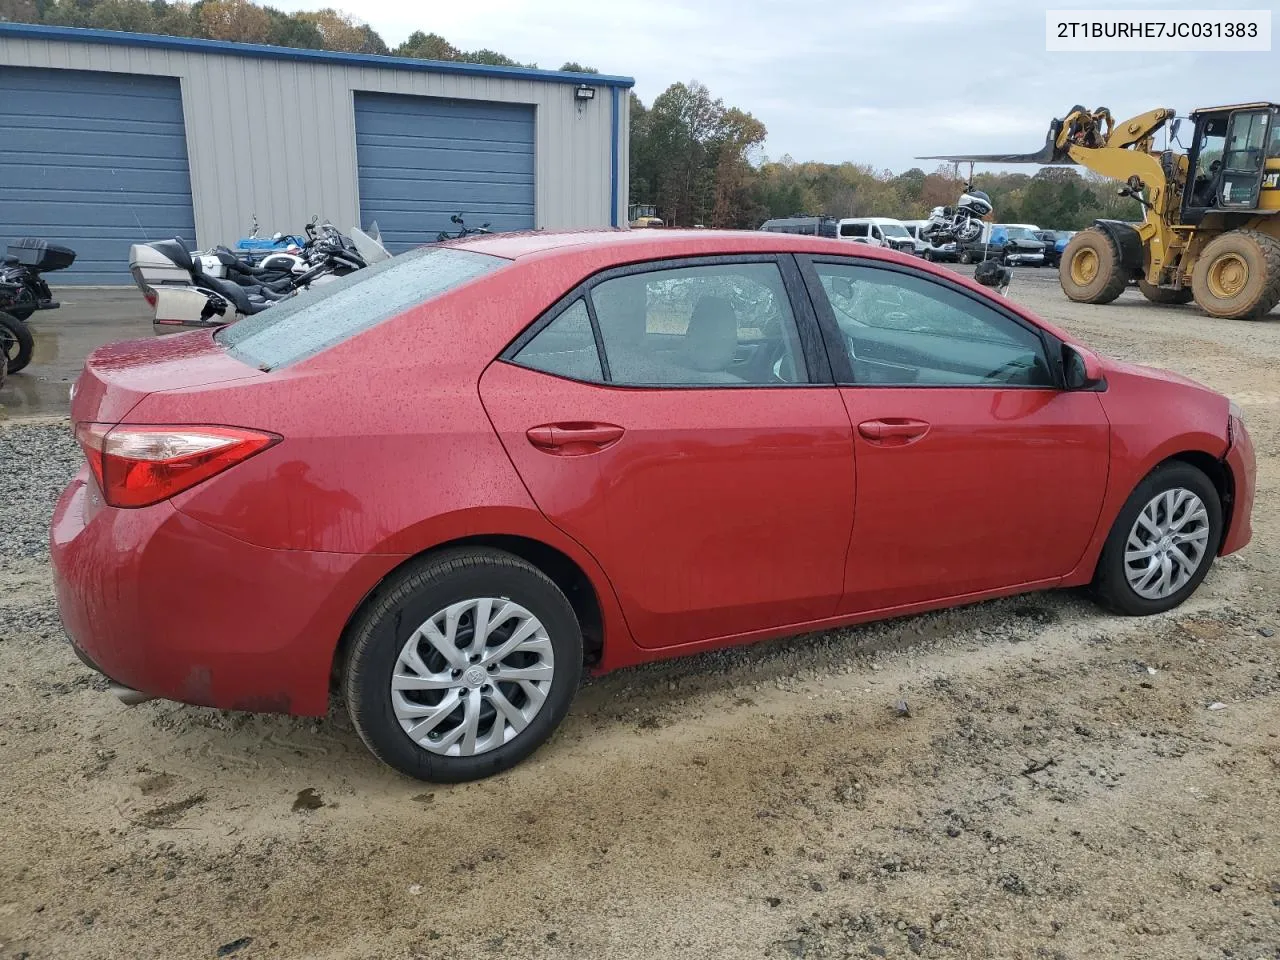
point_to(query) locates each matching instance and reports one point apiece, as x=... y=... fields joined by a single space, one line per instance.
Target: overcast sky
x=873 y=81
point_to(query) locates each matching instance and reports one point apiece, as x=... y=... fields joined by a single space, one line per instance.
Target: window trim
x=842 y=367
x=813 y=346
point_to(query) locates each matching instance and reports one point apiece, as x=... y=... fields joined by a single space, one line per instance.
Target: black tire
x=407 y=600
x=1108 y=279
x=16 y=342
x=1165 y=295
x=1110 y=583
x=1258 y=294
x=966 y=257
x=928 y=255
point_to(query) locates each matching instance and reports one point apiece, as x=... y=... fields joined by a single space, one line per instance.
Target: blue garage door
x=424 y=159
x=93 y=161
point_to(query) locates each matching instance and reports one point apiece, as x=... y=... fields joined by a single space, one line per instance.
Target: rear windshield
x=329 y=313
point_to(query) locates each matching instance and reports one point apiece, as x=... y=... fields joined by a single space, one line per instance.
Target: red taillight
x=140 y=465
x=149 y=295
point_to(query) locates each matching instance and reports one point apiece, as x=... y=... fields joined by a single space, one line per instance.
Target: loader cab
x=1228 y=160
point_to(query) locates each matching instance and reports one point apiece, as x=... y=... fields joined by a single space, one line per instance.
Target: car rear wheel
x=1162 y=543
x=462 y=665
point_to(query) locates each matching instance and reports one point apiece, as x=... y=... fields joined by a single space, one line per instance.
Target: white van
x=877 y=232
x=914 y=227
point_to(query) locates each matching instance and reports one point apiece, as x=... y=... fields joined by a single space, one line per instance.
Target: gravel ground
x=1061 y=784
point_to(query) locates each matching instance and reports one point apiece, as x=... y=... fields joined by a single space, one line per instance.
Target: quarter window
x=727 y=325
x=902 y=329
x=565 y=347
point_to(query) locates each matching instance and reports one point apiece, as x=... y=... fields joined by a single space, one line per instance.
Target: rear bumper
x=166 y=605
x=1243 y=465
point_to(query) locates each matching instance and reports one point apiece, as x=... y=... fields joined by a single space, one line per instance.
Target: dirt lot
x=1066 y=784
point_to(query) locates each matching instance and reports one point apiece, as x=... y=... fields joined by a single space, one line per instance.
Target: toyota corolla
x=446 y=485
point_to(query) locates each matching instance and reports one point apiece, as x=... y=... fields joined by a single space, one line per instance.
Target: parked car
x=1060 y=241
x=445 y=512
x=804 y=226
x=877 y=232
x=1049 y=238
x=1014 y=245
x=914 y=228
x=947 y=252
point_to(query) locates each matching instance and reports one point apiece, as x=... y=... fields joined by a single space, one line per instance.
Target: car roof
x=631 y=245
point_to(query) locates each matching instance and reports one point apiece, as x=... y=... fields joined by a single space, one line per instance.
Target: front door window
x=1243 y=157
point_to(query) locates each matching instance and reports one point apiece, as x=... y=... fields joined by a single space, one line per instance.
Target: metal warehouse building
x=111 y=138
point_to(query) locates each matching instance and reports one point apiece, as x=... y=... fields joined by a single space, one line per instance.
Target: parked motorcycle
x=463 y=230
x=16 y=344
x=961 y=223
x=23 y=290
x=220 y=286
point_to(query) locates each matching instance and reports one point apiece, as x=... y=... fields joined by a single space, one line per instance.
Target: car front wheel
x=1162 y=543
x=462 y=665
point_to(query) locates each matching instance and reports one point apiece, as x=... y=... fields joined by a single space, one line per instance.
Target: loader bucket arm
x=1079 y=135
x=1050 y=153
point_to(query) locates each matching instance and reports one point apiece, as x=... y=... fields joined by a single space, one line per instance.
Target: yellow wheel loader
x=1211 y=225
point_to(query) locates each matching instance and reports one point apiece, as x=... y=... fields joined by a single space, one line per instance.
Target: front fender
x=1128 y=242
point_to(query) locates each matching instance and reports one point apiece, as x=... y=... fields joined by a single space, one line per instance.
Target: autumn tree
x=343 y=32
x=237 y=20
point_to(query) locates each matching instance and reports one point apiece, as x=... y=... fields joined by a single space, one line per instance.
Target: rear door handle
x=574 y=438
x=893 y=431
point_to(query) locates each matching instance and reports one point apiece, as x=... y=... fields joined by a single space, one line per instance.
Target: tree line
x=244 y=22
x=696 y=159
x=700 y=163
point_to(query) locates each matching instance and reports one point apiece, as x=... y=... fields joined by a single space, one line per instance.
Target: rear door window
x=328 y=314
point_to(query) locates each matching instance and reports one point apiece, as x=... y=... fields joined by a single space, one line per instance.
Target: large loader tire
x=1091 y=270
x=1165 y=294
x=1237 y=276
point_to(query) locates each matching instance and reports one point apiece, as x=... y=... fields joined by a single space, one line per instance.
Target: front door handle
x=893 y=431
x=574 y=438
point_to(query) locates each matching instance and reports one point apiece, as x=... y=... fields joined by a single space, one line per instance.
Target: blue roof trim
x=122 y=39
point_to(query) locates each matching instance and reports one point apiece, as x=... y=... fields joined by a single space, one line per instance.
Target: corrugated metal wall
x=243 y=111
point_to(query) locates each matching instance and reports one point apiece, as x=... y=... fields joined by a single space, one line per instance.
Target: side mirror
x=1082 y=369
x=1174 y=127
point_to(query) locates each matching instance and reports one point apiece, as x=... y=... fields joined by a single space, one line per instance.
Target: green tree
x=427 y=46
x=288 y=30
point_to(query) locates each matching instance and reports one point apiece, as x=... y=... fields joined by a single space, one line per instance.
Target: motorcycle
x=192 y=290
x=961 y=223
x=23 y=290
x=463 y=230
x=16 y=344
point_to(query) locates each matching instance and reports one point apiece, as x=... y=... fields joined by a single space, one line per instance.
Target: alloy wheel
x=1167 y=544
x=472 y=677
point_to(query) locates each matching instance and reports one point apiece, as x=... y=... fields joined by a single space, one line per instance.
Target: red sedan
x=448 y=483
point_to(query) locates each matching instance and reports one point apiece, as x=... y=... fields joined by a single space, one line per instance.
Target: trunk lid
x=118 y=376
